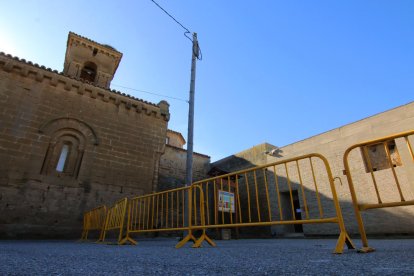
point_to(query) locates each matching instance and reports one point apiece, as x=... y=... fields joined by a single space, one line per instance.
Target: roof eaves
x=42 y=67
x=92 y=41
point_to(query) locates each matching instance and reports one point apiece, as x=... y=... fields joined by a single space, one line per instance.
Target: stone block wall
x=115 y=145
x=332 y=144
x=173 y=168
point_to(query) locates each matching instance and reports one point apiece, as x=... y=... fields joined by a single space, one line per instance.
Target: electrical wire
x=148 y=92
x=198 y=54
x=187 y=31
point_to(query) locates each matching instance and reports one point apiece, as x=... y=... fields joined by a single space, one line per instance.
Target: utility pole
x=189 y=164
x=189 y=161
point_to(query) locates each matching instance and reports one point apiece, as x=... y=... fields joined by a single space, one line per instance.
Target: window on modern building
x=89 y=72
x=64 y=153
x=378 y=157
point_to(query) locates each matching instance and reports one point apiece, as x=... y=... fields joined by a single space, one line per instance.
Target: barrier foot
x=128 y=239
x=342 y=240
x=185 y=240
x=366 y=249
x=203 y=237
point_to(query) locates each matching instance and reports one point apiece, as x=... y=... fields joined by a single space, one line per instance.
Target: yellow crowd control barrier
x=94 y=220
x=165 y=211
x=115 y=219
x=293 y=191
x=377 y=172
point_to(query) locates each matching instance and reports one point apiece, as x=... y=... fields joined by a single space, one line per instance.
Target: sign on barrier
x=226 y=202
x=379 y=173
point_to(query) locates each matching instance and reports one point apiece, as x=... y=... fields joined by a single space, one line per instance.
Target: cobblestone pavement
x=235 y=257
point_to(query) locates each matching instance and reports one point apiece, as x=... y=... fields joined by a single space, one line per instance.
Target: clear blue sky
x=274 y=71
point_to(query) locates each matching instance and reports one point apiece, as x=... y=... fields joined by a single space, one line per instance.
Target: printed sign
x=226 y=202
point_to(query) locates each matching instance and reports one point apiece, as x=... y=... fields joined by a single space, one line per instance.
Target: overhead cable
x=148 y=92
x=199 y=55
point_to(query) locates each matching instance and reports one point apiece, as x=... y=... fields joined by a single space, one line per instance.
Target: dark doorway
x=298 y=211
x=286 y=203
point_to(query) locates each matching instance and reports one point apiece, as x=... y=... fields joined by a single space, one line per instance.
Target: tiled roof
x=178 y=133
x=90 y=40
x=184 y=150
x=77 y=79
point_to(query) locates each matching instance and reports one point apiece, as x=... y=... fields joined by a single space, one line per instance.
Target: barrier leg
x=203 y=237
x=128 y=239
x=189 y=237
x=120 y=235
x=84 y=236
x=103 y=233
x=343 y=238
x=365 y=248
x=102 y=237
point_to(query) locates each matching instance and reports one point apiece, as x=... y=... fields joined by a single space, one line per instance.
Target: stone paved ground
x=235 y=257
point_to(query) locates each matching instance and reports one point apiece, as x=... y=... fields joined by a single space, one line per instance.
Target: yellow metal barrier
x=379 y=156
x=165 y=211
x=270 y=194
x=94 y=220
x=115 y=219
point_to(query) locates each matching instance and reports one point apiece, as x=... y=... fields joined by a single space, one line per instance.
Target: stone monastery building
x=68 y=143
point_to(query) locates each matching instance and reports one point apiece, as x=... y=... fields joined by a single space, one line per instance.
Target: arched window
x=88 y=72
x=65 y=153
x=69 y=137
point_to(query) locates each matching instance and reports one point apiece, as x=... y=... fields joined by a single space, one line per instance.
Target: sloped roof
x=178 y=133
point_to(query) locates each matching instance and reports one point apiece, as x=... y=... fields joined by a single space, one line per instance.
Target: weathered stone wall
x=118 y=140
x=173 y=166
x=175 y=139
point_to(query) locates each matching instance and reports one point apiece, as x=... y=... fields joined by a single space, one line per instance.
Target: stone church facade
x=68 y=143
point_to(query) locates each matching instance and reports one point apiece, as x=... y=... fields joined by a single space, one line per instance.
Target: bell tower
x=90 y=61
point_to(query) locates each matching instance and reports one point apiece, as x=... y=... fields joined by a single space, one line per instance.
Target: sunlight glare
x=8 y=44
